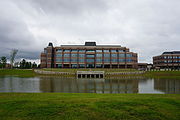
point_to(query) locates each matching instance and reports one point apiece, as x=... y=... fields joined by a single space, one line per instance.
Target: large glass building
x=89 y=55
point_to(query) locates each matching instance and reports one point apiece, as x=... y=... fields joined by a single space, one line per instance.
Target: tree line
x=23 y=64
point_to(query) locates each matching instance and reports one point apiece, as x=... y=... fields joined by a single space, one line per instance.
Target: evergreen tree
x=23 y=64
x=3 y=61
x=34 y=65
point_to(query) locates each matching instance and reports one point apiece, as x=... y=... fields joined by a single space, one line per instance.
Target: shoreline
x=109 y=73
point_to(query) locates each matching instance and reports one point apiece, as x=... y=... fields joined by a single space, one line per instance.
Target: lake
x=73 y=85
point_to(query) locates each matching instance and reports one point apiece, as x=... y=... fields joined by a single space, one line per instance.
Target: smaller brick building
x=168 y=60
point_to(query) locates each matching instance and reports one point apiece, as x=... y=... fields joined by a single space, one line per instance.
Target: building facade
x=169 y=60
x=89 y=55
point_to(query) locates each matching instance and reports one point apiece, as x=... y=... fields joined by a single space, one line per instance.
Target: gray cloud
x=147 y=27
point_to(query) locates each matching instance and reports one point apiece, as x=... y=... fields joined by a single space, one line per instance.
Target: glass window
x=59 y=65
x=121 y=60
x=82 y=65
x=121 y=55
x=98 y=55
x=90 y=60
x=113 y=50
x=114 y=60
x=81 y=60
x=121 y=51
x=58 y=55
x=90 y=56
x=99 y=66
x=74 y=65
x=73 y=60
x=106 y=60
x=81 y=50
x=169 y=57
x=90 y=65
x=90 y=50
x=45 y=51
x=106 y=50
x=165 y=57
x=66 y=60
x=113 y=55
x=66 y=55
x=59 y=60
x=129 y=60
x=174 y=57
x=98 y=50
x=58 y=50
x=129 y=55
x=169 y=61
x=81 y=55
x=74 y=50
x=106 y=55
x=98 y=60
x=67 y=50
x=73 y=55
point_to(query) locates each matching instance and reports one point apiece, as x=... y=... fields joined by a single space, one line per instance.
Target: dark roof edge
x=172 y=52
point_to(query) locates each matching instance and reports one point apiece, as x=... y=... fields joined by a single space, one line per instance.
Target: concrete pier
x=90 y=74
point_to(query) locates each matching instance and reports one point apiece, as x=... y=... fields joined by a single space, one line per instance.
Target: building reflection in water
x=68 y=85
x=168 y=86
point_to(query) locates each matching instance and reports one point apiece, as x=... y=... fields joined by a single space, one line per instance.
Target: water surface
x=72 y=85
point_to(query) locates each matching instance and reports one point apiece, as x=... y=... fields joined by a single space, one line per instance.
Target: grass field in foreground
x=62 y=106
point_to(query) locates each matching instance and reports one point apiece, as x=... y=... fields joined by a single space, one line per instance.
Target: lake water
x=72 y=85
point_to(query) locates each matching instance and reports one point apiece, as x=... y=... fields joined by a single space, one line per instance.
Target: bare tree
x=12 y=56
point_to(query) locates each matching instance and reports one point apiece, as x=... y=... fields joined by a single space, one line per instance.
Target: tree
x=16 y=64
x=0 y=63
x=12 y=56
x=23 y=64
x=34 y=65
x=3 y=61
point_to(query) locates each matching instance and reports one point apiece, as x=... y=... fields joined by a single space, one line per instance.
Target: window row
x=170 y=61
x=170 y=57
x=82 y=65
x=92 y=56
x=93 y=60
x=75 y=50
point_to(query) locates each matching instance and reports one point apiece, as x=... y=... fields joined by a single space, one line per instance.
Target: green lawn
x=17 y=72
x=163 y=74
x=62 y=106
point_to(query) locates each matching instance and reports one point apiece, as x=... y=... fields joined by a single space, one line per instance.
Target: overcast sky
x=148 y=27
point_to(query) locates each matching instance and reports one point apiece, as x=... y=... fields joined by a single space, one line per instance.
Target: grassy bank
x=151 y=74
x=17 y=72
x=61 y=106
x=163 y=74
